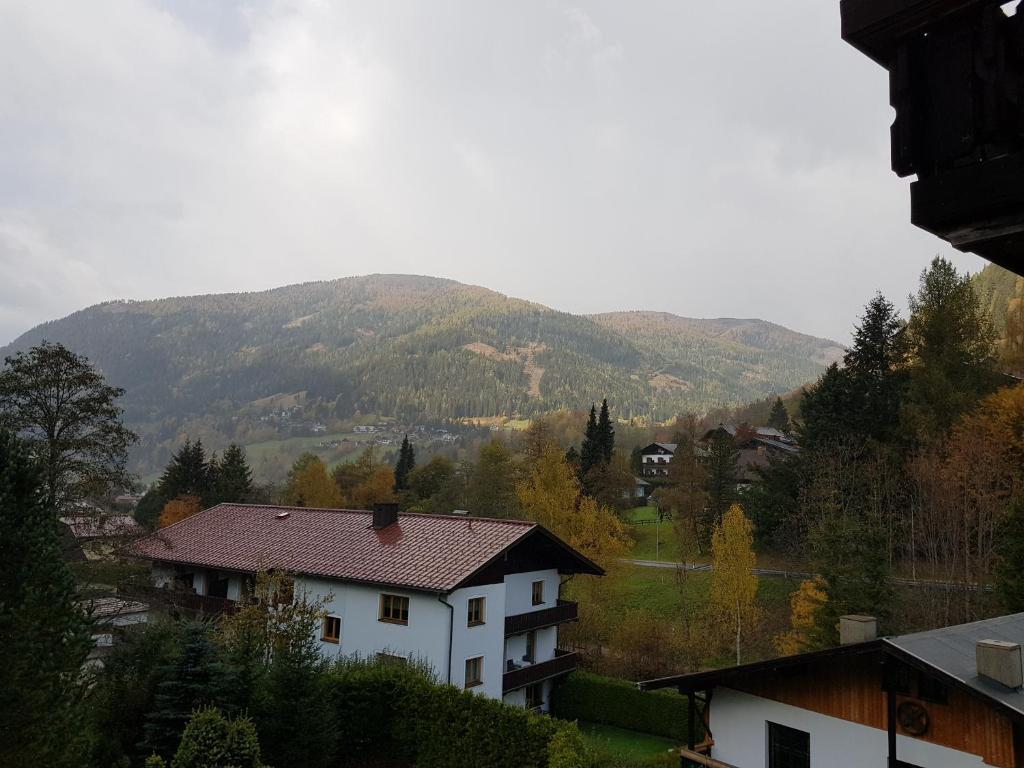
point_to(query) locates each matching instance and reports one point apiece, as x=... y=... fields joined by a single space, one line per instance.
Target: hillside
x=414 y=348
x=995 y=287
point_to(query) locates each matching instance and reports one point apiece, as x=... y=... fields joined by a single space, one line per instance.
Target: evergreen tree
x=58 y=403
x=492 y=484
x=875 y=364
x=829 y=410
x=233 y=477
x=45 y=634
x=1010 y=565
x=605 y=435
x=196 y=678
x=778 y=418
x=951 y=345
x=590 y=449
x=721 y=468
x=211 y=740
x=406 y=464
x=187 y=473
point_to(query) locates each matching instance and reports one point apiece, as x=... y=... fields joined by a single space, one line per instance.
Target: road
x=780 y=574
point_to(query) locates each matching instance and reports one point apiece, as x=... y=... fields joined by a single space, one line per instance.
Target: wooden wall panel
x=851 y=689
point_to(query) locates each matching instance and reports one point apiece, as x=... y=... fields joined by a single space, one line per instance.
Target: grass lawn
x=621 y=743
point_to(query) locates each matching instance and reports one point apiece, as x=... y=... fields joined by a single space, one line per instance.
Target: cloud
x=705 y=159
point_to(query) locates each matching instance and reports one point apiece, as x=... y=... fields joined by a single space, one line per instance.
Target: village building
x=946 y=698
x=97 y=535
x=755 y=446
x=655 y=458
x=476 y=599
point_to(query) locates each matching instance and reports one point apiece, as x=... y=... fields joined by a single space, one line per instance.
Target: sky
x=711 y=159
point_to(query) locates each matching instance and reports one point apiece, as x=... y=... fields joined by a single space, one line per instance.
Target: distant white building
x=655 y=458
x=479 y=600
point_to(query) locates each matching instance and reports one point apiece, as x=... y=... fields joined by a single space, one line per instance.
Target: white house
x=947 y=698
x=655 y=458
x=477 y=599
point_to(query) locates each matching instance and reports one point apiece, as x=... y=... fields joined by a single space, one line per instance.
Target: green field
x=607 y=740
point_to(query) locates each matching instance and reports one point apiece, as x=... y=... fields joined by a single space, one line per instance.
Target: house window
x=394 y=609
x=531 y=646
x=476 y=612
x=474 y=671
x=332 y=629
x=788 y=747
x=538 y=593
x=535 y=696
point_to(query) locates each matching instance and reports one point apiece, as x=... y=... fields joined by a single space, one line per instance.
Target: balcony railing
x=546 y=617
x=188 y=602
x=563 y=663
x=698 y=760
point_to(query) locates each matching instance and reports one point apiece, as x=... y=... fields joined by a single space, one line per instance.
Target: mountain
x=415 y=348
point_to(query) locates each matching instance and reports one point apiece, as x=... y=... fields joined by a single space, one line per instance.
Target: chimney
x=1000 y=661
x=857 y=629
x=384 y=514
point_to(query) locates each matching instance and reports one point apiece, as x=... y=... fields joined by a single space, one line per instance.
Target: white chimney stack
x=1000 y=662
x=857 y=629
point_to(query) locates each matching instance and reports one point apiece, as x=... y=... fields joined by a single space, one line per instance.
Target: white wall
x=487 y=639
x=425 y=637
x=519 y=591
x=739 y=724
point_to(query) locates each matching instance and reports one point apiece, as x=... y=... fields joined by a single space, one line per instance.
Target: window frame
x=481 y=603
x=778 y=728
x=531 y=647
x=535 y=592
x=478 y=661
x=324 y=636
x=537 y=703
x=387 y=611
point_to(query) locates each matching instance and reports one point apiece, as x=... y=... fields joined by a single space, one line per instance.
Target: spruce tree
x=232 y=480
x=779 y=416
x=46 y=636
x=605 y=434
x=590 y=448
x=187 y=474
x=196 y=678
x=874 y=363
x=406 y=464
x=721 y=468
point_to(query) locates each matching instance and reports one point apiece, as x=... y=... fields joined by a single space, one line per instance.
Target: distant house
x=655 y=458
x=477 y=599
x=755 y=445
x=947 y=698
x=99 y=534
x=110 y=616
x=640 y=491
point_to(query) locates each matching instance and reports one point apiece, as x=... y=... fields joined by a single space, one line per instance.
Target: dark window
x=538 y=593
x=394 y=609
x=476 y=611
x=788 y=747
x=531 y=646
x=535 y=696
x=217 y=584
x=332 y=629
x=474 y=671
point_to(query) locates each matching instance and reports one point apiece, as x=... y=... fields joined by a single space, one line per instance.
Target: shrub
x=211 y=740
x=605 y=700
x=566 y=749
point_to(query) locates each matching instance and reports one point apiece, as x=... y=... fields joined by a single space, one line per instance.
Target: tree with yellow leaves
x=309 y=485
x=805 y=605
x=733 y=582
x=550 y=495
x=178 y=509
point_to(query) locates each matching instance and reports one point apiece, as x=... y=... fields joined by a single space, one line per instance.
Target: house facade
x=948 y=698
x=655 y=458
x=478 y=600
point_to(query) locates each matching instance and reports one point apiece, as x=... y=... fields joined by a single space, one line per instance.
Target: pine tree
x=233 y=478
x=605 y=434
x=875 y=365
x=1009 y=575
x=406 y=464
x=187 y=473
x=721 y=468
x=778 y=418
x=45 y=633
x=196 y=678
x=590 y=448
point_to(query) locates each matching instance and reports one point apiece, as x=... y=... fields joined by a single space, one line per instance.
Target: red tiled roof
x=427 y=552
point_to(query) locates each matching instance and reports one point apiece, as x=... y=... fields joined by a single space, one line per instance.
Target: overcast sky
x=703 y=158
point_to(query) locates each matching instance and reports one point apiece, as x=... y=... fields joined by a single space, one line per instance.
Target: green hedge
x=605 y=700
x=396 y=714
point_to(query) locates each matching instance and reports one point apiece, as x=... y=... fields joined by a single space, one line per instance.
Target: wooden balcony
x=691 y=759
x=546 y=617
x=178 y=600
x=563 y=663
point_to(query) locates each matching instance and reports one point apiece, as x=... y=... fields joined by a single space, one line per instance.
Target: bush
x=396 y=713
x=605 y=700
x=211 y=740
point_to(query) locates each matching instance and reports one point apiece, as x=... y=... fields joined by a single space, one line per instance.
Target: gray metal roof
x=952 y=650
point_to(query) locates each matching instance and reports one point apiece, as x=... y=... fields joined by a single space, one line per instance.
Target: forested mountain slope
x=419 y=347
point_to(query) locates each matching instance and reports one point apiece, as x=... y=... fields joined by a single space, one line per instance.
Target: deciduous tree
x=733 y=581
x=178 y=509
x=309 y=485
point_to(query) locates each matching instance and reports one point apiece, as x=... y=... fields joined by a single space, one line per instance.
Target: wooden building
x=947 y=698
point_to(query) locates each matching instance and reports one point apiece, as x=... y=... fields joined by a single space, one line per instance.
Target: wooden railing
x=690 y=759
x=563 y=663
x=178 y=599
x=546 y=617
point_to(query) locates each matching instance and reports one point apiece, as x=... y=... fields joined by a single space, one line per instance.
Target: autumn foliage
x=178 y=509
